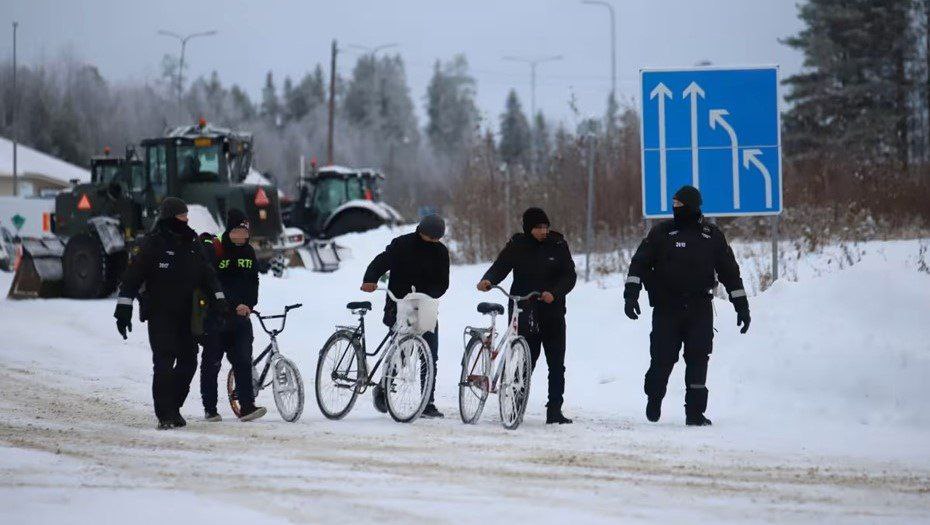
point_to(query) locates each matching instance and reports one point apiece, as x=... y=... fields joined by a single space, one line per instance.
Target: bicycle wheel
x=475 y=381
x=408 y=378
x=288 y=389
x=516 y=372
x=231 y=392
x=339 y=371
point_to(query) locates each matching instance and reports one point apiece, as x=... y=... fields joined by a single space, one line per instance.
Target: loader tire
x=84 y=268
x=351 y=221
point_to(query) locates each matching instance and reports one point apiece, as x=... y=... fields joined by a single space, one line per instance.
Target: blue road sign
x=717 y=129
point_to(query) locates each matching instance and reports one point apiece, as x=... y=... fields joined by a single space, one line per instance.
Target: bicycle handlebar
x=517 y=297
x=261 y=318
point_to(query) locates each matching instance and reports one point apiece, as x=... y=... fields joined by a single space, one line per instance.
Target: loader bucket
x=39 y=273
x=325 y=255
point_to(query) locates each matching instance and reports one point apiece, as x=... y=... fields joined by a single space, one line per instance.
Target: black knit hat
x=690 y=197
x=236 y=218
x=171 y=207
x=433 y=226
x=532 y=218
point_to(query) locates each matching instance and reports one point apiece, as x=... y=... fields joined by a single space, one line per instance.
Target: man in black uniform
x=233 y=259
x=170 y=265
x=416 y=260
x=541 y=262
x=678 y=262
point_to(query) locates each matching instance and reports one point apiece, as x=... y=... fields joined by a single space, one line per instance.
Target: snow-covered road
x=821 y=413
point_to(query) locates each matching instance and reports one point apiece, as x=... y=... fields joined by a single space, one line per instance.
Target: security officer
x=233 y=258
x=415 y=260
x=541 y=262
x=170 y=265
x=679 y=262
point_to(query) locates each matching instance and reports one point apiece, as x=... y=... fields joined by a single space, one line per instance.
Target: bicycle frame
x=271 y=351
x=504 y=345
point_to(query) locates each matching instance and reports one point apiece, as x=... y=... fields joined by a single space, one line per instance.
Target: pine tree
x=450 y=108
x=515 y=133
x=270 y=108
x=542 y=144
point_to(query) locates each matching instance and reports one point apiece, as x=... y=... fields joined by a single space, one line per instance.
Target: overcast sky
x=289 y=38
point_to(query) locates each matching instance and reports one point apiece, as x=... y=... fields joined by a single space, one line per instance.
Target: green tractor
x=334 y=200
x=96 y=224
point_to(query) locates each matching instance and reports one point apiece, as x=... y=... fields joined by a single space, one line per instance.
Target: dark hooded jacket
x=545 y=266
x=412 y=262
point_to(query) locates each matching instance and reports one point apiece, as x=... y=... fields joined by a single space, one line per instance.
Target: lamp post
x=533 y=62
x=183 y=40
x=613 y=43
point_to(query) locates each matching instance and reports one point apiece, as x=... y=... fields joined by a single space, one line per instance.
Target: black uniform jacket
x=545 y=266
x=680 y=262
x=413 y=263
x=171 y=265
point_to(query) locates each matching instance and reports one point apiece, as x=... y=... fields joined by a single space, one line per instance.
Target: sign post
x=719 y=130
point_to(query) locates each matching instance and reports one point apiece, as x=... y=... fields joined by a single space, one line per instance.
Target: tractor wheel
x=84 y=268
x=352 y=220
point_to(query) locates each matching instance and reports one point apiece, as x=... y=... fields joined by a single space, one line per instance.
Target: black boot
x=179 y=421
x=378 y=397
x=654 y=408
x=697 y=420
x=212 y=416
x=251 y=413
x=554 y=415
x=431 y=412
x=165 y=424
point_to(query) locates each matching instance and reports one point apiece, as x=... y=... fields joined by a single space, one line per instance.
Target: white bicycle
x=342 y=372
x=504 y=369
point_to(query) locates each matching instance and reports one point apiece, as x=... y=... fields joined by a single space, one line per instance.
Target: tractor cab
x=334 y=200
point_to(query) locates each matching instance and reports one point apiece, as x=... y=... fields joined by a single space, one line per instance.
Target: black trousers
x=545 y=331
x=174 y=359
x=432 y=339
x=688 y=323
x=234 y=339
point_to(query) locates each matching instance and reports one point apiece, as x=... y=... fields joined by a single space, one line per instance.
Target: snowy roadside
x=821 y=412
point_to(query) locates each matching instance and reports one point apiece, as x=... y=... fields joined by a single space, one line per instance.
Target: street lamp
x=613 y=43
x=183 y=40
x=533 y=62
x=372 y=50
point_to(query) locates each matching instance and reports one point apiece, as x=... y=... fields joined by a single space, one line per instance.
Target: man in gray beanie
x=417 y=260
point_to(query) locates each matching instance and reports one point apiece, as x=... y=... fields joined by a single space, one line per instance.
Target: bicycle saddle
x=490 y=308
x=359 y=305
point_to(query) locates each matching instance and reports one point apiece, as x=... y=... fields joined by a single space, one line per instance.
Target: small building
x=38 y=173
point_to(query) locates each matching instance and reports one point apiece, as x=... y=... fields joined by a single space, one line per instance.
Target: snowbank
x=821 y=412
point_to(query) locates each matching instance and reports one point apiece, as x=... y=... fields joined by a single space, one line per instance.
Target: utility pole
x=183 y=40
x=332 y=104
x=13 y=115
x=533 y=62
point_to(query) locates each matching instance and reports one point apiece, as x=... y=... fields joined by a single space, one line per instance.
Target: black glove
x=742 y=313
x=631 y=308
x=123 y=315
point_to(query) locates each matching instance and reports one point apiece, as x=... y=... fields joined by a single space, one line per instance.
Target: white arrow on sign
x=662 y=92
x=752 y=155
x=694 y=91
x=716 y=117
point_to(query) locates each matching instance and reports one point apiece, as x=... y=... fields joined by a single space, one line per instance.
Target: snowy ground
x=821 y=412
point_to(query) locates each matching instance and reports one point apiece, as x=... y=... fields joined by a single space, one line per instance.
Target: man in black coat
x=679 y=263
x=541 y=262
x=230 y=333
x=170 y=265
x=415 y=260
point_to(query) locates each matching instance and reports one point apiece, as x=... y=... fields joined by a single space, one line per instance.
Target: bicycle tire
x=515 y=397
x=285 y=366
x=338 y=412
x=231 y=392
x=424 y=358
x=474 y=387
